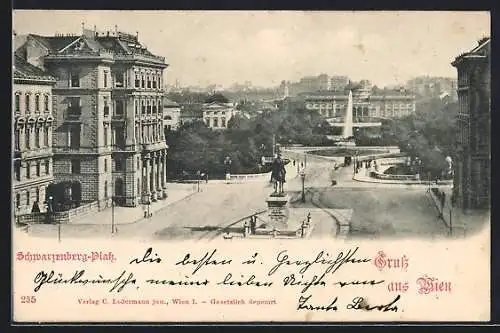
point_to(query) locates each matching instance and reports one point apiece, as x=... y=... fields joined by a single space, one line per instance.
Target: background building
x=108 y=127
x=171 y=115
x=383 y=104
x=338 y=83
x=472 y=171
x=32 y=129
x=217 y=115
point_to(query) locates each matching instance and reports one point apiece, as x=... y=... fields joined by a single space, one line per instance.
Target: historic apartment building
x=472 y=167
x=171 y=115
x=384 y=104
x=32 y=131
x=217 y=115
x=108 y=137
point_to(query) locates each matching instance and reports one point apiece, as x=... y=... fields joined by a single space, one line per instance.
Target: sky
x=266 y=47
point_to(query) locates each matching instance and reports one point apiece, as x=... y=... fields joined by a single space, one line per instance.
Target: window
x=149 y=82
x=154 y=106
x=37 y=137
x=154 y=82
x=106 y=189
x=16 y=140
x=27 y=198
x=105 y=79
x=136 y=107
x=38 y=169
x=143 y=107
x=27 y=137
x=18 y=200
x=74 y=106
x=37 y=194
x=142 y=81
x=47 y=167
x=159 y=105
x=106 y=107
x=119 y=165
x=119 y=79
x=137 y=134
x=27 y=106
x=148 y=107
x=74 y=136
x=17 y=170
x=137 y=80
x=75 y=79
x=17 y=102
x=138 y=163
x=138 y=186
x=216 y=122
x=75 y=166
x=119 y=107
x=223 y=122
x=46 y=137
x=37 y=103
x=105 y=165
x=46 y=103
x=28 y=171
x=105 y=136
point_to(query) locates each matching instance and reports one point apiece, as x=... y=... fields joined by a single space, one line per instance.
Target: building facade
x=217 y=115
x=473 y=164
x=32 y=131
x=108 y=138
x=388 y=104
x=338 y=82
x=171 y=115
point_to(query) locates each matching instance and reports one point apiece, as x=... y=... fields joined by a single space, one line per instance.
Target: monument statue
x=278 y=174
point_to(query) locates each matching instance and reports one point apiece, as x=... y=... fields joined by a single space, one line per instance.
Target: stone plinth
x=278 y=211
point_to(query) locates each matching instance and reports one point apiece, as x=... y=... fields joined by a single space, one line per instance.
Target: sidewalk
x=460 y=223
x=128 y=215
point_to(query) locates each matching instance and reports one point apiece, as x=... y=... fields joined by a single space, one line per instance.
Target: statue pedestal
x=278 y=211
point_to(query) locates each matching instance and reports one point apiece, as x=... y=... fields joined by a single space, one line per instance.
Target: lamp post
x=303 y=178
x=198 y=173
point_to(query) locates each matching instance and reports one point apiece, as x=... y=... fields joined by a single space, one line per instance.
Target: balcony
x=124 y=148
x=33 y=153
x=154 y=146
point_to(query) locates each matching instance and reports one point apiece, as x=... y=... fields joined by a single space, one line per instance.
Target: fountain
x=347 y=133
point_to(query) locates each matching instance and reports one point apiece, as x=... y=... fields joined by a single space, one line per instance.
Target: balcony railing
x=154 y=146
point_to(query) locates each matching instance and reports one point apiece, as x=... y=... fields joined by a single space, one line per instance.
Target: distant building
x=430 y=86
x=338 y=82
x=191 y=112
x=473 y=165
x=217 y=115
x=171 y=115
x=33 y=126
x=108 y=116
x=383 y=104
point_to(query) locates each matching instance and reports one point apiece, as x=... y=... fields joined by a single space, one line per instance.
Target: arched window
x=37 y=103
x=154 y=106
x=46 y=103
x=148 y=108
x=17 y=102
x=143 y=106
x=27 y=103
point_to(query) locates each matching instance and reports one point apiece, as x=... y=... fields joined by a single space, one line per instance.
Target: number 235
x=28 y=299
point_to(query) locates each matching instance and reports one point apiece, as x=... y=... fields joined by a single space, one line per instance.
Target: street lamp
x=303 y=178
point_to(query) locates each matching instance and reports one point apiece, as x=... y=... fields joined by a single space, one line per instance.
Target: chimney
x=83 y=27
x=137 y=36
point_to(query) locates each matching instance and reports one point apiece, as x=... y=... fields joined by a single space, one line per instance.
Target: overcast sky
x=267 y=47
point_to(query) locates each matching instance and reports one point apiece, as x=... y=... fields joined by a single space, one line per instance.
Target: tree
x=217 y=98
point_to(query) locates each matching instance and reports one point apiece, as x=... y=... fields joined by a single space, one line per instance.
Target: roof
x=481 y=51
x=24 y=70
x=114 y=44
x=169 y=103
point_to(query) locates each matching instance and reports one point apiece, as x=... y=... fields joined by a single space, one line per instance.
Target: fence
x=58 y=217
